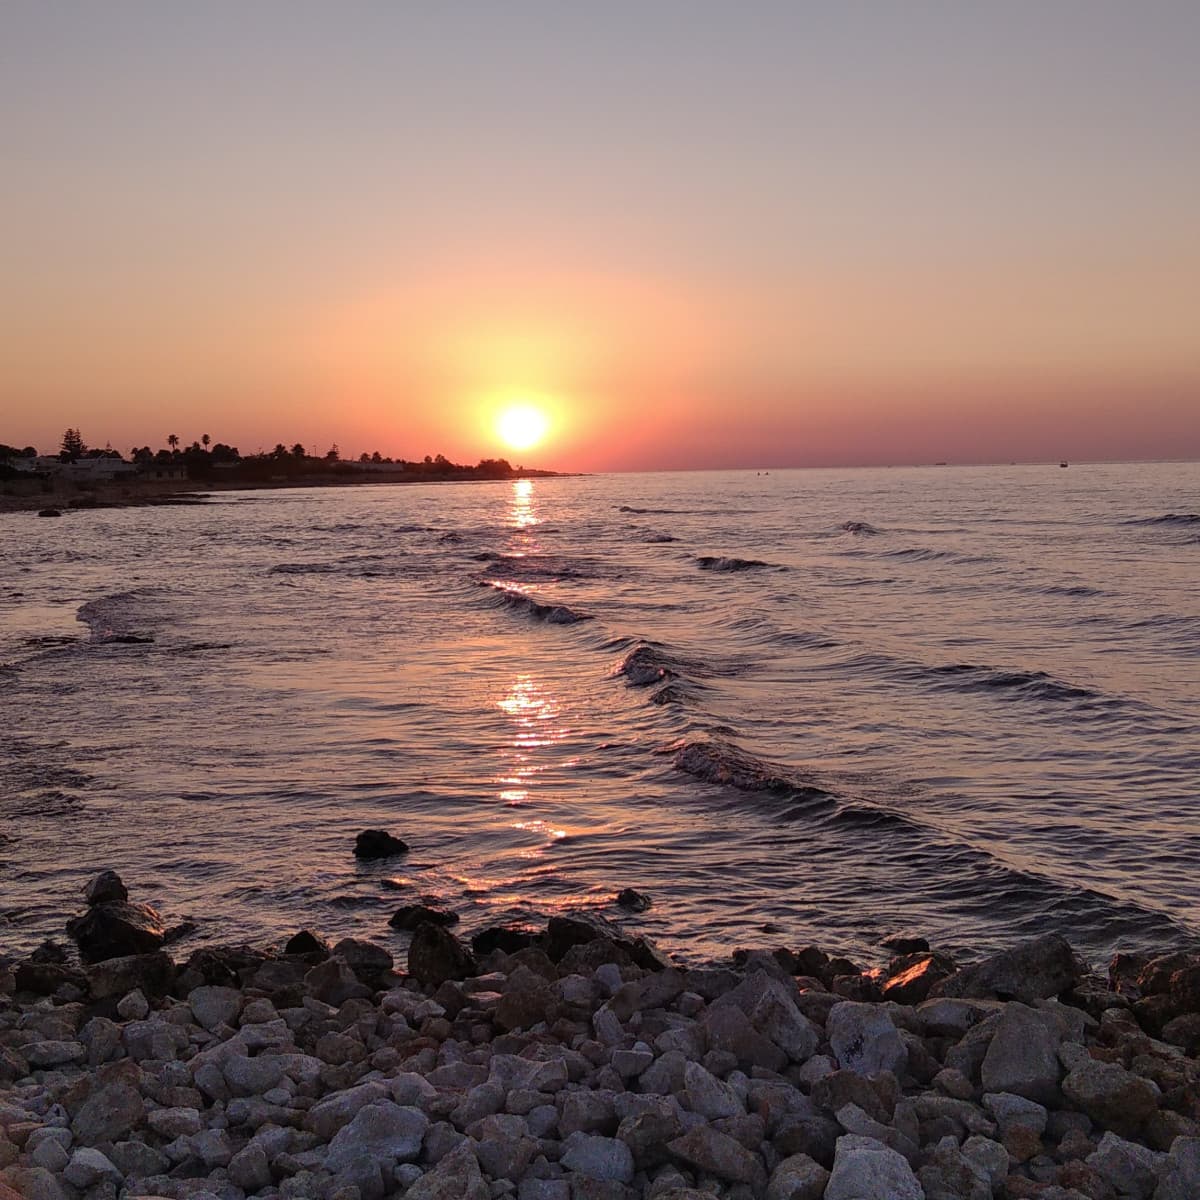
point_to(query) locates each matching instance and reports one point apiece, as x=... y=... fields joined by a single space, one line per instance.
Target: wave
x=629 y=508
x=860 y=528
x=645 y=665
x=1167 y=519
x=722 y=762
x=656 y=538
x=1069 y=590
x=1037 y=685
x=710 y=562
x=113 y=618
x=552 y=614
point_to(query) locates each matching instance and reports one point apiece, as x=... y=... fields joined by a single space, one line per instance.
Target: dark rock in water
x=49 y=512
x=506 y=938
x=333 y=982
x=1123 y=972
x=50 y=952
x=377 y=843
x=914 y=976
x=647 y=955
x=577 y=929
x=1034 y=970
x=436 y=955
x=1170 y=987
x=810 y=960
x=368 y=961
x=177 y=932
x=153 y=974
x=307 y=942
x=633 y=900
x=116 y=929
x=411 y=915
x=905 y=943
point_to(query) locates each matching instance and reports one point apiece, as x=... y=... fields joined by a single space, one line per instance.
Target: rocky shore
x=577 y=1063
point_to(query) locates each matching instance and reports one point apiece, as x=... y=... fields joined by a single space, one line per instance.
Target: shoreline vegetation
x=81 y=478
x=578 y=1062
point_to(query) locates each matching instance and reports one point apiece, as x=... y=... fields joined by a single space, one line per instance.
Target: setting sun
x=522 y=426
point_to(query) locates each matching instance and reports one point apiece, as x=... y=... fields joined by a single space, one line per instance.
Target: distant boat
x=1064 y=463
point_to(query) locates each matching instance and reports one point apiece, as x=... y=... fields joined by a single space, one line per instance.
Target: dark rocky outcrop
x=436 y=955
x=412 y=915
x=307 y=943
x=105 y=888
x=506 y=938
x=1033 y=970
x=374 y=844
x=633 y=900
x=116 y=929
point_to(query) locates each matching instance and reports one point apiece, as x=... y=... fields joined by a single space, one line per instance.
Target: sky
x=691 y=234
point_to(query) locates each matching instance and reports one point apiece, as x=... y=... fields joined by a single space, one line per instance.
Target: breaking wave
x=710 y=562
x=1168 y=519
x=552 y=614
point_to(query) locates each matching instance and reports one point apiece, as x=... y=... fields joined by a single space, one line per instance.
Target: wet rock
x=151 y=974
x=436 y=955
x=333 y=982
x=1113 y=1097
x=577 y=929
x=374 y=844
x=116 y=929
x=412 y=915
x=507 y=938
x=49 y=512
x=369 y=962
x=105 y=888
x=1172 y=983
x=905 y=943
x=633 y=900
x=1022 y=1056
x=865 y=1039
x=1034 y=970
x=866 y=1169
x=913 y=982
x=307 y=943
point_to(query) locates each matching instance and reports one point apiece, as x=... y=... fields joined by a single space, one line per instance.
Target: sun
x=522 y=426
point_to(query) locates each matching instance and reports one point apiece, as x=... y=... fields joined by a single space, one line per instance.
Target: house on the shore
x=166 y=470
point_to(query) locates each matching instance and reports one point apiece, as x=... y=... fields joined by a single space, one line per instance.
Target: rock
x=113 y=1107
x=456 y=1177
x=727 y=1028
x=214 y=1006
x=333 y=1111
x=1130 y=1168
x=44 y=979
x=866 y=1169
x=307 y=943
x=250 y=1169
x=151 y=974
x=707 y=1149
x=503 y=1145
x=172 y=1123
x=105 y=888
x=709 y=1096
x=115 y=929
x=798 y=1178
x=1034 y=970
x=133 y=1006
x=412 y=915
x=598 y=1157
x=1022 y=1056
x=1172 y=982
x=41 y=1055
x=252 y=1076
x=577 y=929
x=369 y=962
x=88 y=1166
x=914 y=982
x=436 y=955
x=1113 y=1097
x=333 y=982
x=905 y=943
x=49 y=512
x=509 y=939
x=1013 y=1111
x=374 y=844
x=865 y=1039
x=381 y=1135
x=633 y=900
x=1180 y=1178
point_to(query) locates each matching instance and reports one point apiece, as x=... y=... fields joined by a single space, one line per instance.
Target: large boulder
x=865 y=1039
x=1113 y=1097
x=1022 y=1056
x=1034 y=970
x=151 y=974
x=577 y=929
x=436 y=955
x=865 y=1169
x=914 y=977
x=374 y=844
x=456 y=1177
x=105 y=888
x=116 y=929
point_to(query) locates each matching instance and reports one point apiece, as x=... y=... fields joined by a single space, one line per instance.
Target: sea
x=791 y=707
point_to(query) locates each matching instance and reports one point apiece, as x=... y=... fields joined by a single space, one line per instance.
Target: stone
x=727 y=1028
x=112 y=1109
x=214 y=1006
x=1130 y=1168
x=133 y=1006
x=456 y=1177
x=866 y=1169
x=865 y=1039
x=503 y=1145
x=436 y=955
x=1015 y=1111
x=508 y=939
x=411 y=915
x=88 y=1166
x=373 y=844
x=598 y=1157
x=1180 y=1178
x=307 y=943
x=577 y=928
x=1034 y=970
x=105 y=888
x=633 y=900
x=328 y=1116
x=798 y=1177
x=1113 y=1097
x=1022 y=1057
x=914 y=982
x=41 y=1055
x=171 y=1123
x=707 y=1149
x=115 y=929
x=989 y=1158
x=381 y=1135
x=709 y=1096
x=251 y=1076
x=250 y=1168
x=333 y=982
x=368 y=961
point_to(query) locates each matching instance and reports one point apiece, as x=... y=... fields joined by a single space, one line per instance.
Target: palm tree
x=173 y=440
x=206 y=440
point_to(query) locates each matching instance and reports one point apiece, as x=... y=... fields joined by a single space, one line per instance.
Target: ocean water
x=803 y=706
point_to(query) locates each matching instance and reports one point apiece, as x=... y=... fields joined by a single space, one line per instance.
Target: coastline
x=573 y=1062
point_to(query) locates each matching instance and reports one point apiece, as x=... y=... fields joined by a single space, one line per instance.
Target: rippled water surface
x=964 y=702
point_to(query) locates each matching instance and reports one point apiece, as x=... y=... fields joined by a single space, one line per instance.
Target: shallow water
x=836 y=704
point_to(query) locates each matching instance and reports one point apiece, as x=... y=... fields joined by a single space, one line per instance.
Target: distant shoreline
x=70 y=497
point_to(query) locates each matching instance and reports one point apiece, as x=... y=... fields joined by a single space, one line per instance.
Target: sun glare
x=522 y=426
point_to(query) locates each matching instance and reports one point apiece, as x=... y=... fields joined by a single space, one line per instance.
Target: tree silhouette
x=73 y=446
x=173 y=440
x=206 y=440
x=297 y=451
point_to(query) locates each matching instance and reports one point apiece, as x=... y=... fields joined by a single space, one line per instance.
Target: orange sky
x=693 y=235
